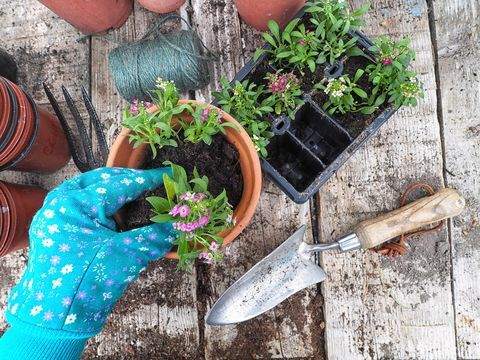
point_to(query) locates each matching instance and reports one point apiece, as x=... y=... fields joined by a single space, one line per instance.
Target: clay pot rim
x=11 y=119
x=248 y=202
x=161 y=9
x=11 y=148
x=33 y=136
x=5 y=109
x=8 y=217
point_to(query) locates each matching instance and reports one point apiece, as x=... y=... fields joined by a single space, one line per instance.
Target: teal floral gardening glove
x=79 y=265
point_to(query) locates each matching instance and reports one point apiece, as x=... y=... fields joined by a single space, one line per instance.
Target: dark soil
x=354 y=123
x=218 y=161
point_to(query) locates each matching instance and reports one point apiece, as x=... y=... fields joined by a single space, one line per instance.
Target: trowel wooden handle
x=444 y=204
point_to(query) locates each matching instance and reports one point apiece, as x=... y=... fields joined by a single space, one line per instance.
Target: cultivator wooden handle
x=444 y=204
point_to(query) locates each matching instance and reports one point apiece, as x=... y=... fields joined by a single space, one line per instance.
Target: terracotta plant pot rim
x=249 y=164
x=26 y=149
x=12 y=117
x=8 y=220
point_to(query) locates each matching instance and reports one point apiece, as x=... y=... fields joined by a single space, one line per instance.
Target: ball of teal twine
x=176 y=56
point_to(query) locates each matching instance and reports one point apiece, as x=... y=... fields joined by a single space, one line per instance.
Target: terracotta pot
x=23 y=202
x=50 y=151
x=5 y=223
x=122 y=154
x=256 y=13
x=92 y=16
x=161 y=6
x=8 y=112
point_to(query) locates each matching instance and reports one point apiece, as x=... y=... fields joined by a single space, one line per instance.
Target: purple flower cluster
x=191 y=226
x=136 y=104
x=185 y=210
x=208 y=256
x=207 y=112
x=279 y=83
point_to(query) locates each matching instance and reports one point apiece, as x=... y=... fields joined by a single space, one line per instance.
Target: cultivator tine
x=97 y=126
x=81 y=165
x=84 y=138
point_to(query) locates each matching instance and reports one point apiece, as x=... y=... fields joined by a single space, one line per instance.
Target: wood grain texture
x=378 y=307
x=457 y=24
x=445 y=203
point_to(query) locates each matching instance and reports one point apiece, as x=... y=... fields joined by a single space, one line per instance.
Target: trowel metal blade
x=279 y=275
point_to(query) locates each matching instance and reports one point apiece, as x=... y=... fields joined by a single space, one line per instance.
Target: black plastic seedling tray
x=307 y=151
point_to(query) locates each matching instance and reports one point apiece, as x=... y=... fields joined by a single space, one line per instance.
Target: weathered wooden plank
x=378 y=307
x=157 y=316
x=293 y=330
x=45 y=49
x=457 y=24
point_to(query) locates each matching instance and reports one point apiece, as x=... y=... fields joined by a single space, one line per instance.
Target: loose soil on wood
x=218 y=161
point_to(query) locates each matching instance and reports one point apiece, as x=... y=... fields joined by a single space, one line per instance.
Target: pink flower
x=202 y=255
x=184 y=211
x=204 y=220
x=302 y=42
x=387 y=61
x=174 y=210
x=214 y=246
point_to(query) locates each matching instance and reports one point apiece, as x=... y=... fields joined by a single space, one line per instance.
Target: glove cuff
x=25 y=341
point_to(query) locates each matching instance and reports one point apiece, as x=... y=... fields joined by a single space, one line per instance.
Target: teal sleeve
x=23 y=341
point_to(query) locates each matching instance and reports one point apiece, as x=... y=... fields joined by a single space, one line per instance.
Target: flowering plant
x=344 y=95
x=285 y=92
x=294 y=46
x=155 y=127
x=390 y=75
x=243 y=101
x=196 y=215
x=333 y=21
x=207 y=122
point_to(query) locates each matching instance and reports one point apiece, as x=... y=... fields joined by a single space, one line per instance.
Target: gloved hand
x=78 y=264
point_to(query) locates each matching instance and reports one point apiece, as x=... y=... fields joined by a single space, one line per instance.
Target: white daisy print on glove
x=67 y=269
x=14 y=308
x=126 y=182
x=140 y=180
x=105 y=176
x=63 y=210
x=49 y=214
x=56 y=283
x=101 y=191
x=36 y=310
x=47 y=243
x=52 y=229
x=70 y=319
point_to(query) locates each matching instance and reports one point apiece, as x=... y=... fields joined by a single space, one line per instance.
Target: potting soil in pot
x=218 y=161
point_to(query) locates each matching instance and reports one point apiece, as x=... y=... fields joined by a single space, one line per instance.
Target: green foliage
x=333 y=21
x=345 y=96
x=155 y=127
x=285 y=93
x=391 y=78
x=245 y=102
x=207 y=122
x=195 y=214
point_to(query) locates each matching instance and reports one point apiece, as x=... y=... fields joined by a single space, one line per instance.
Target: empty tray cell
x=294 y=163
x=319 y=133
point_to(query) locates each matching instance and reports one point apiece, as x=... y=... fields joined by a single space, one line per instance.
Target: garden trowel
x=288 y=269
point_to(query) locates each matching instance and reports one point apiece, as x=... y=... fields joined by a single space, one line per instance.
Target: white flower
x=70 y=319
x=67 y=269
x=66 y=301
x=100 y=277
x=101 y=191
x=70 y=228
x=105 y=176
x=99 y=268
x=55 y=260
x=126 y=181
x=143 y=248
x=36 y=310
x=30 y=284
x=52 y=229
x=107 y=296
x=49 y=214
x=13 y=309
x=47 y=243
x=56 y=283
x=129 y=278
x=140 y=180
x=64 y=247
x=15 y=294
x=39 y=296
x=170 y=239
x=63 y=210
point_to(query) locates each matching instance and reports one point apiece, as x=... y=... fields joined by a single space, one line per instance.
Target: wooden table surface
x=424 y=305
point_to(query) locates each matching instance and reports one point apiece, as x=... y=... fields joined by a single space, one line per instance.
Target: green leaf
x=159 y=204
x=274 y=28
x=311 y=65
x=169 y=187
x=360 y=93
x=162 y=218
x=269 y=39
x=257 y=54
x=361 y=11
x=284 y=54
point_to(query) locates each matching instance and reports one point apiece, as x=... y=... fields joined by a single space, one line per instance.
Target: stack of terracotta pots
x=18 y=205
x=31 y=139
